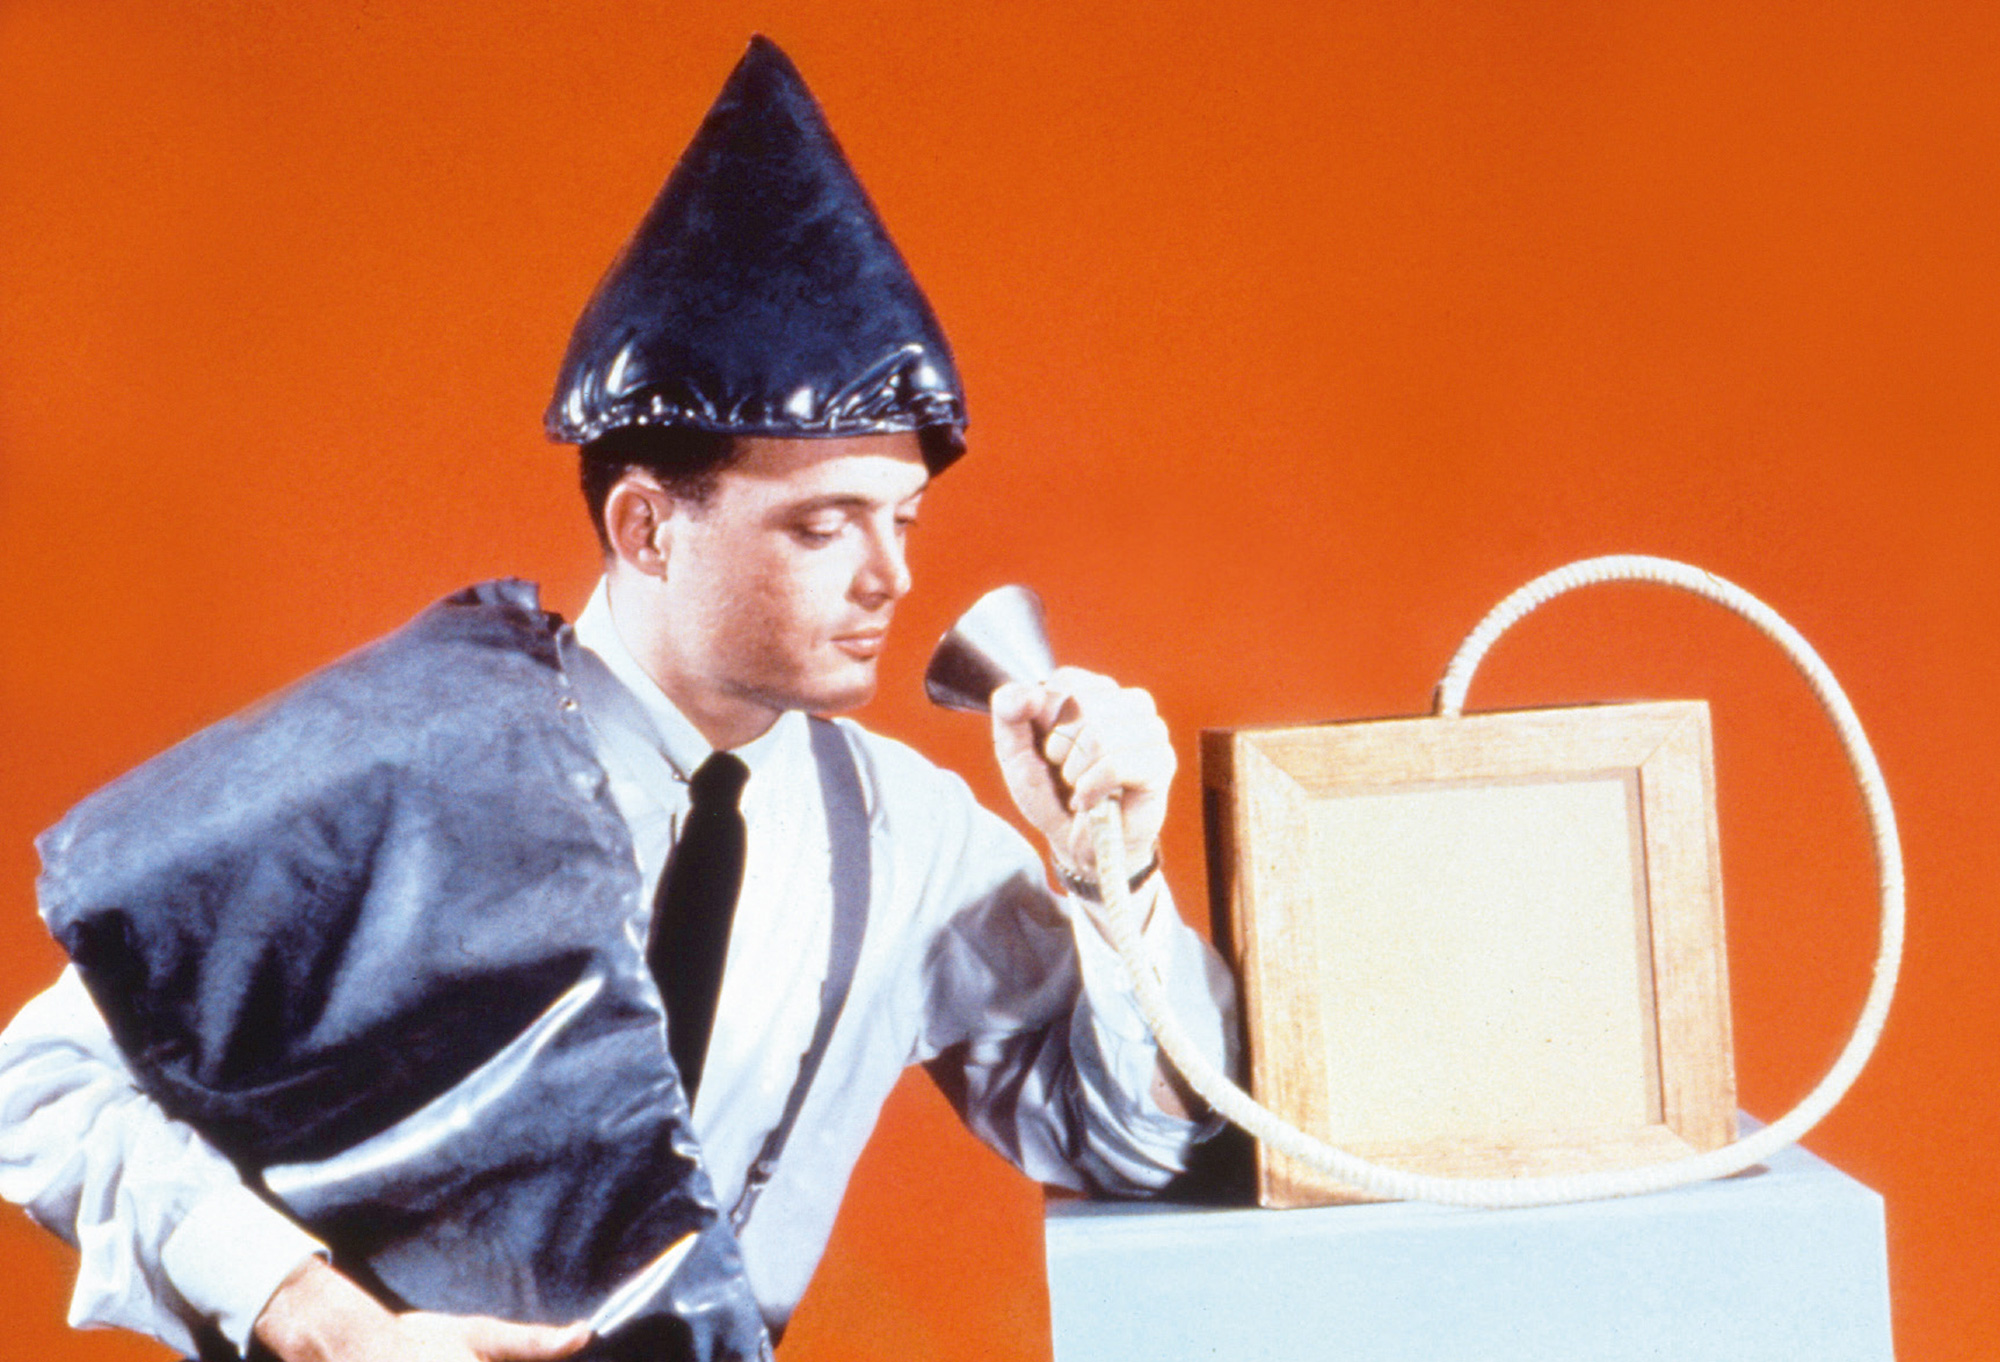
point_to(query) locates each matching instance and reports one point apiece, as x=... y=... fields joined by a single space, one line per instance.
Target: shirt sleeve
x=1033 y=1031
x=169 y=1238
x=1116 y=1052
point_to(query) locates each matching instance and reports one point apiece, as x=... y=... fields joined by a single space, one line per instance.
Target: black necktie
x=692 y=912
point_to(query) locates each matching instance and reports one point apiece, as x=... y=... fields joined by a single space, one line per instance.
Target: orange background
x=1296 y=336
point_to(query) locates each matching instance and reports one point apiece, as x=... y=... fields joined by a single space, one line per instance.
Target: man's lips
x=862 y=644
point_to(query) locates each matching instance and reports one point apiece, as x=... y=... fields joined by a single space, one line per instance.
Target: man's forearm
x=318 y=1315
x=176 y=1239
x=1170 y=1092
x=1200 y=990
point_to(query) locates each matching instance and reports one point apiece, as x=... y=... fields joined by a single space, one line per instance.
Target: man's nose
x=886 y=574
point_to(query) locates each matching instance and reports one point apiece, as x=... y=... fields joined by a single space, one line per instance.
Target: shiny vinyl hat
x=761 y=294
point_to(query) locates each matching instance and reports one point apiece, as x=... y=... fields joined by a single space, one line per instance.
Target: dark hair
x=686 y=462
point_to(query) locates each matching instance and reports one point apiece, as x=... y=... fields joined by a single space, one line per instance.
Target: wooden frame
x=1477 y=946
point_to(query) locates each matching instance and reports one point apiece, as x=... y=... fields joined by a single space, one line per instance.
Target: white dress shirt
x=968 y=963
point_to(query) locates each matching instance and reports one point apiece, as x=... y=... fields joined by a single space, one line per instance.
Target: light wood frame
x=1583 y=1056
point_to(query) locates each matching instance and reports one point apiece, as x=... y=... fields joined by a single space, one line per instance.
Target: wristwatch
x=1084 y=887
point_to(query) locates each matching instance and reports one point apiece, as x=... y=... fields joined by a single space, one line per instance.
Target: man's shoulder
x=917 y=802
x=894 y=771
x=949 y=851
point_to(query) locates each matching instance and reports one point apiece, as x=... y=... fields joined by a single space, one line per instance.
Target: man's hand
x=1067 y=744
x=318 y=1315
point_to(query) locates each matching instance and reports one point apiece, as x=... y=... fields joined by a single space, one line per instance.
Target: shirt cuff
x=230 y=1254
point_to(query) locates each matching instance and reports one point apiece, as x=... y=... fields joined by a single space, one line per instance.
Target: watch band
x=1084 y=887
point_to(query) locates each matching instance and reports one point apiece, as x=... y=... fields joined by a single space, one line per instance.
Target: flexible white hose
x=1232 y=1102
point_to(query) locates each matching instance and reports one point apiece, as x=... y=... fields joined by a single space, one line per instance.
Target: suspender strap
x=847 y=835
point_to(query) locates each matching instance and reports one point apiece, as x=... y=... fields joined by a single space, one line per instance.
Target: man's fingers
x=499 y=1340
x=1069 y=743
x=1095 y=717
x=1134 y=752
x=1077 y=681
x=1012 y=702
x=1092 y=784
x=1013 y=710
x=1093 y=777
x=1028 y=708
x=1061 y=743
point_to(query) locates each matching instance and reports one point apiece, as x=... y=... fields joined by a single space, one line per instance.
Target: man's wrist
x=316 y=1313
x=1087 y=888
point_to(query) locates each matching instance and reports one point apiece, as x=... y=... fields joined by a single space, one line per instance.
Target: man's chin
x=837 y=695
x=843 y=701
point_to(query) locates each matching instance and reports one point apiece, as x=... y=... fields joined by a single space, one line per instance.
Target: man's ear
x=637 y=516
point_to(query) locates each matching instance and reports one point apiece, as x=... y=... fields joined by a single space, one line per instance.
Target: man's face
x=779 y=587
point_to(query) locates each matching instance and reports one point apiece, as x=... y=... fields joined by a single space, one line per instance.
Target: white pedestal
x=1784 y=1262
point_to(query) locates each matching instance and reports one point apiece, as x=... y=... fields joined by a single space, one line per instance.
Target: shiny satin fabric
x=372 y=939
x=761 y=294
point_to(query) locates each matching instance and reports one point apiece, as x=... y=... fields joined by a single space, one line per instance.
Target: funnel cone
x=1002 y=638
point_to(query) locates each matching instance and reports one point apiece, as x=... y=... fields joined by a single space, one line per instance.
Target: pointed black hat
x=761 y=294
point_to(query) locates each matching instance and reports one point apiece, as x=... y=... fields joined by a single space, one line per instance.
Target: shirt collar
x=672 y=731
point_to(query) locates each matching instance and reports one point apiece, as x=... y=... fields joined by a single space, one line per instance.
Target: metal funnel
x=1003 y=637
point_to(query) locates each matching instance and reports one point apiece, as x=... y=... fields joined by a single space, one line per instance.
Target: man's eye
x=816 y=533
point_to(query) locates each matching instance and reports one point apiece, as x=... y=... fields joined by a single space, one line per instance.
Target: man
x=506 y=973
